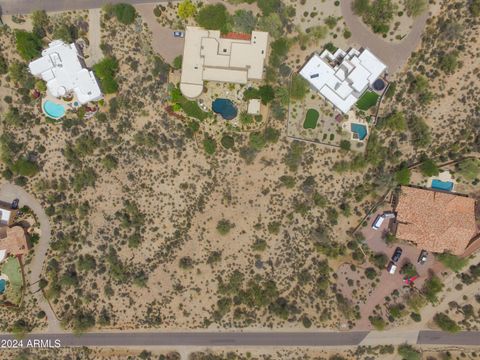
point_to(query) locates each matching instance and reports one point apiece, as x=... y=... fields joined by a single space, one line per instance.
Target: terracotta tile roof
x=436 y=221
x=237 y=36
x=13 y=240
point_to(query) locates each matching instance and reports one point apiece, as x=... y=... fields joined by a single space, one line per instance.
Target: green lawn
x=311 y=119
x=12 y=269
x=367 y=100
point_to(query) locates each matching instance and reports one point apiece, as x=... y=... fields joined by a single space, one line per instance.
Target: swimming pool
x=53 y=110
x=2 y=286
x=225 y=108
x=442 y=185
x=360 y=130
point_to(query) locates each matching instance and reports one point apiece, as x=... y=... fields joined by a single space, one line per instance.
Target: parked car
x=15 y=204
x=378 y=222
x=422 y=258
x=396 y=255
x=179 y=34
x=388 y=215
x=391 y=268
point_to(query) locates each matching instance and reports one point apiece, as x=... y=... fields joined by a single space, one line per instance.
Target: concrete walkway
x=8 y=192
x=94 y=37
x=394 y=55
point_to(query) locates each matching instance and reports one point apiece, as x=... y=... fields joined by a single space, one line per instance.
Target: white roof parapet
x=343 y=77
x=61 y=68
x=209 y=57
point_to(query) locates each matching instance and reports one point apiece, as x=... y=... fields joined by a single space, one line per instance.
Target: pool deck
x=69 y=105
x=352 y=119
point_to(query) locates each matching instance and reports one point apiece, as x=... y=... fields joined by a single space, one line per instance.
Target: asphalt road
x=10 y=7
x=220 y=339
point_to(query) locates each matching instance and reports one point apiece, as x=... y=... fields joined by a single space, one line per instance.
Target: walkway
x=94 y=38
x=8 y=192
x=394 y=55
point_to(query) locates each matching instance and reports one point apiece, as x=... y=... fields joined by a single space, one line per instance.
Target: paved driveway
x=8 y=192
x=394 y=55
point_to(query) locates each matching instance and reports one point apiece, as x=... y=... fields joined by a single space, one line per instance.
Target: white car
x=179 y=34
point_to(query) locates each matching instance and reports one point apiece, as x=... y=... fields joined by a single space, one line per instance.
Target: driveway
x=94 y=38
x=394 y=55
x=8 y=192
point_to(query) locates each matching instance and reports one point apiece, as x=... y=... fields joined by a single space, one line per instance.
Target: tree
x=40 y=22
x=345 y=145
x=83 y=321
x=105 y=71
x=25 y=167
x=449 y=62
x=125 y=13
x=454 y=263
x=474 y=7
x=271 y=135
x=394 y=121
x=470 y=169
x=29 y=45
x=429 y=168
x=360 y=7
x=431 y=288
x=298 y=87
x=445 y=323
x=214 y=17
x=269 y=6
x=186 y=9
x=244 y=21
x=415 y=7
x=110 y=162
x=402 y=176
x=209 y=145
x=407 y=352
x=271 y=24
x=63 y=32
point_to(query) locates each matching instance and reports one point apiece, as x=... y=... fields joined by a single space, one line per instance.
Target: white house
x=208 y=56
x=61 y=67
x=343 y=77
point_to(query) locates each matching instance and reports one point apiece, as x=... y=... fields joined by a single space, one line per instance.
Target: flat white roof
x=209 y=57
x=343 y=77
x=253 y=107
x=5 y=215
x=61 y=68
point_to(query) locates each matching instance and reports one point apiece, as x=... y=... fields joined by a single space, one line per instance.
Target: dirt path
x=394 y=55
x=8 y=192
x=94 y=37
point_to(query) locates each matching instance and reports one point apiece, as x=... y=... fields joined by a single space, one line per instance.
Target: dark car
x=422 y=258
x=396 y=255
x=15 y=204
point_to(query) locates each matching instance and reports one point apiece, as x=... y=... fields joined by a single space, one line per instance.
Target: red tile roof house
x=436 y=221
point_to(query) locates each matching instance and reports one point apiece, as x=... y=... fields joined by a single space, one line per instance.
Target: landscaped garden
x=11 y=268
x=367 y=100
x=311 y=119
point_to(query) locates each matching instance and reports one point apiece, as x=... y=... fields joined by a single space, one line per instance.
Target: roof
x=436 y=221
x=253 y=107
x=61 y=67
x=207 y=56
x=342 y=77
x=6 y=213
x=13 y=240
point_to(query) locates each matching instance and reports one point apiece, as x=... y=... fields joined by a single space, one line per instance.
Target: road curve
x=12 y=7
x=394 y=55
x=237 y=339
x=8 y=192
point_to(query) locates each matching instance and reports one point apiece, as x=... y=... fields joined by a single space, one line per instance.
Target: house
x=343 y=77
x=209 y=56
x=7 y=213
x=13 y=241
x=63 y=69
x=436 y=221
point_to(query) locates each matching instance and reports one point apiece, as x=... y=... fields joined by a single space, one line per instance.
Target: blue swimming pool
x=225 y=108
x=360 y=130
x=442 y=185
x=2 y=286
x=53 y=110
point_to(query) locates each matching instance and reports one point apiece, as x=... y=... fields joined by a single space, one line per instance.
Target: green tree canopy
x=125 y=13
x=429 y=168
x=29 y=45
x=105 y=71
x=186 y=9
x=214 y=17
x=402 y=176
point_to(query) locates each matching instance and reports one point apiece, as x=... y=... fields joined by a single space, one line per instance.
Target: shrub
x=269 y=6
x=470 y=169
x=25 y=167
x=214 y=17
x=224 y=226
x=271 y=135
x=177 y=62
x=298 y=87
x=429 y=168
x=244 y=21
x=431 y=288
x=345 y=145
x=415 y=7
x=378 y=322
x=29 y=45
x=370 y=273
x=380 y=260
x=445 y=323
x=416 y=317
x=186 y=263
x=125 y=13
